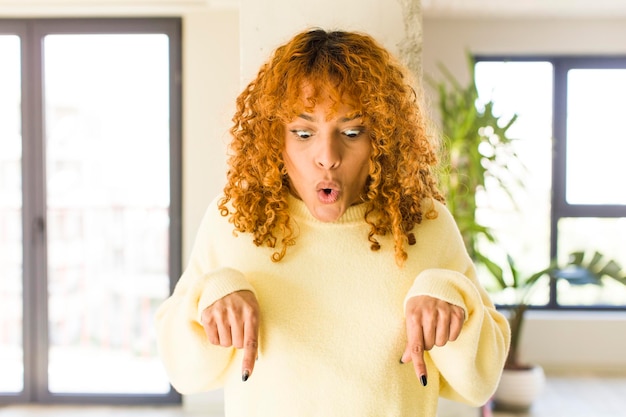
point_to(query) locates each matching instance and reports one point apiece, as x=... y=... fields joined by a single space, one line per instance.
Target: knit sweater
x=332 y=324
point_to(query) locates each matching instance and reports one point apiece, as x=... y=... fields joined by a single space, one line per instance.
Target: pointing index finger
x=250 y=348
x=416 y=349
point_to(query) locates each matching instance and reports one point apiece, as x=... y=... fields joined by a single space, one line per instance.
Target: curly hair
x=354 y=68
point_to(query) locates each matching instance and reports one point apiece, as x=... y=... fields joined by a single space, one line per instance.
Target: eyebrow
x=342 y=120
x=306 y=117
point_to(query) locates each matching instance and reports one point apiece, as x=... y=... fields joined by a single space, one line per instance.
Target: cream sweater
x=332 y=322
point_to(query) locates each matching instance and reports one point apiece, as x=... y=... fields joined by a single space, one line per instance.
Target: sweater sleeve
x=470 y=367
x=192 y=363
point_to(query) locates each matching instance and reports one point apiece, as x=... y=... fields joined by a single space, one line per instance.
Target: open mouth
x=328 y=195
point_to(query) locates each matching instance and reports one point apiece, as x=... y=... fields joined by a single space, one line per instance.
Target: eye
x=301 y=133
x=353 y=132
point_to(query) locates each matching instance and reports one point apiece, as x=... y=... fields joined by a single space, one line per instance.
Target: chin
x=327 y=213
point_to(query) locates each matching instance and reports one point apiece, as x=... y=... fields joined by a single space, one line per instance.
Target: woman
x=330 y=262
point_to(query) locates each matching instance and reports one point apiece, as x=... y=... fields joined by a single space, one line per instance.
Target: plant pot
x=518 y=388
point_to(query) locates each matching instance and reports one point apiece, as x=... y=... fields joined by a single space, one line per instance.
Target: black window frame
x=559 y=207
x=31 y=32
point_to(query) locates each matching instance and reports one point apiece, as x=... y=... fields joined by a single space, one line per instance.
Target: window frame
x=35 y=297
x=559 y=207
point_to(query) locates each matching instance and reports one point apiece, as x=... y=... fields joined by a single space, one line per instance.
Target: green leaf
x=597 y=257
x=576 y=258
x=612 y=269
x=494 y=269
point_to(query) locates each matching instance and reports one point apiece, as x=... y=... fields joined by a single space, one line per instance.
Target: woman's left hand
x=429 y=322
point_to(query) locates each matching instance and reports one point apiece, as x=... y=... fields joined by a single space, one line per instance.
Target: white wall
x=560 y=341
x=210 y=85
x=267 y=24
x=573 y=342
x=446 y=40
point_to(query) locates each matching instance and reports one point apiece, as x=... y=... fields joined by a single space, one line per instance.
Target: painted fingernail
x=401 y=360
x=245 y=376
x=423 y=380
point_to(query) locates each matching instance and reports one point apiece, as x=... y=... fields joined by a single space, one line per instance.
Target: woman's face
x=327 y=159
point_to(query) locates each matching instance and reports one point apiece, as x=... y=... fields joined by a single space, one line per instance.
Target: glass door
x=106 y=101
x=11 y=262
x=90 y=176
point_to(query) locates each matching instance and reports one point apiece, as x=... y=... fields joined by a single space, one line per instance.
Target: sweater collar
x=298 y=209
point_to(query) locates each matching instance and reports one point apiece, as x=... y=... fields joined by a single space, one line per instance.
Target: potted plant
x=522 y=382
x=477 y=147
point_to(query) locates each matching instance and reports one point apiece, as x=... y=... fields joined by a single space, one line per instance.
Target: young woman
x=330 y=263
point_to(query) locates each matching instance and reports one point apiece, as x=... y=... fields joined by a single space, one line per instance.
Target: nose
x=328 y=155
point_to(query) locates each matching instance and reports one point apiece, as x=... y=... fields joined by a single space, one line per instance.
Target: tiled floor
x=564 y=396
x=580 y=396
x=92 y=411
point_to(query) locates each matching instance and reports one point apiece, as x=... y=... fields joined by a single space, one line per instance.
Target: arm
x=469 y=366
x=471 y=360
x=193 y=363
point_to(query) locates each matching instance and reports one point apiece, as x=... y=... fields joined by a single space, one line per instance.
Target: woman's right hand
x=234 y=321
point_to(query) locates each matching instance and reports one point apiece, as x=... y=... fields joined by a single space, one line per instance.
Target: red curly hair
x=353 y=67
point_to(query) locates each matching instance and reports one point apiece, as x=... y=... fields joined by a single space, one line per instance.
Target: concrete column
x=265 y=25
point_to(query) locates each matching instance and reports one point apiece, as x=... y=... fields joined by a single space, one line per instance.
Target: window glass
x=107 y=157
x=11 y=260
x=608 y=237
x=522 y=226
x=587 y=171
x=596 y=136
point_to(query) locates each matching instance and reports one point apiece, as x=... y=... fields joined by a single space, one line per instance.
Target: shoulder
x=438 y=240
x=437 y=222
x=435 y=210
x=213 y=214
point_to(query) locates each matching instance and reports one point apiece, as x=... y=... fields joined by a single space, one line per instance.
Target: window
x=571 y=138
x=11 y=354
x=90 y=209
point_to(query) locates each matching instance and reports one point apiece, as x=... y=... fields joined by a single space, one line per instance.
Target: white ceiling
x=525 y=8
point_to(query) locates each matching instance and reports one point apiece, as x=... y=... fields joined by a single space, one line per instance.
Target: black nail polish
x=423 y=380
x=245 y=376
